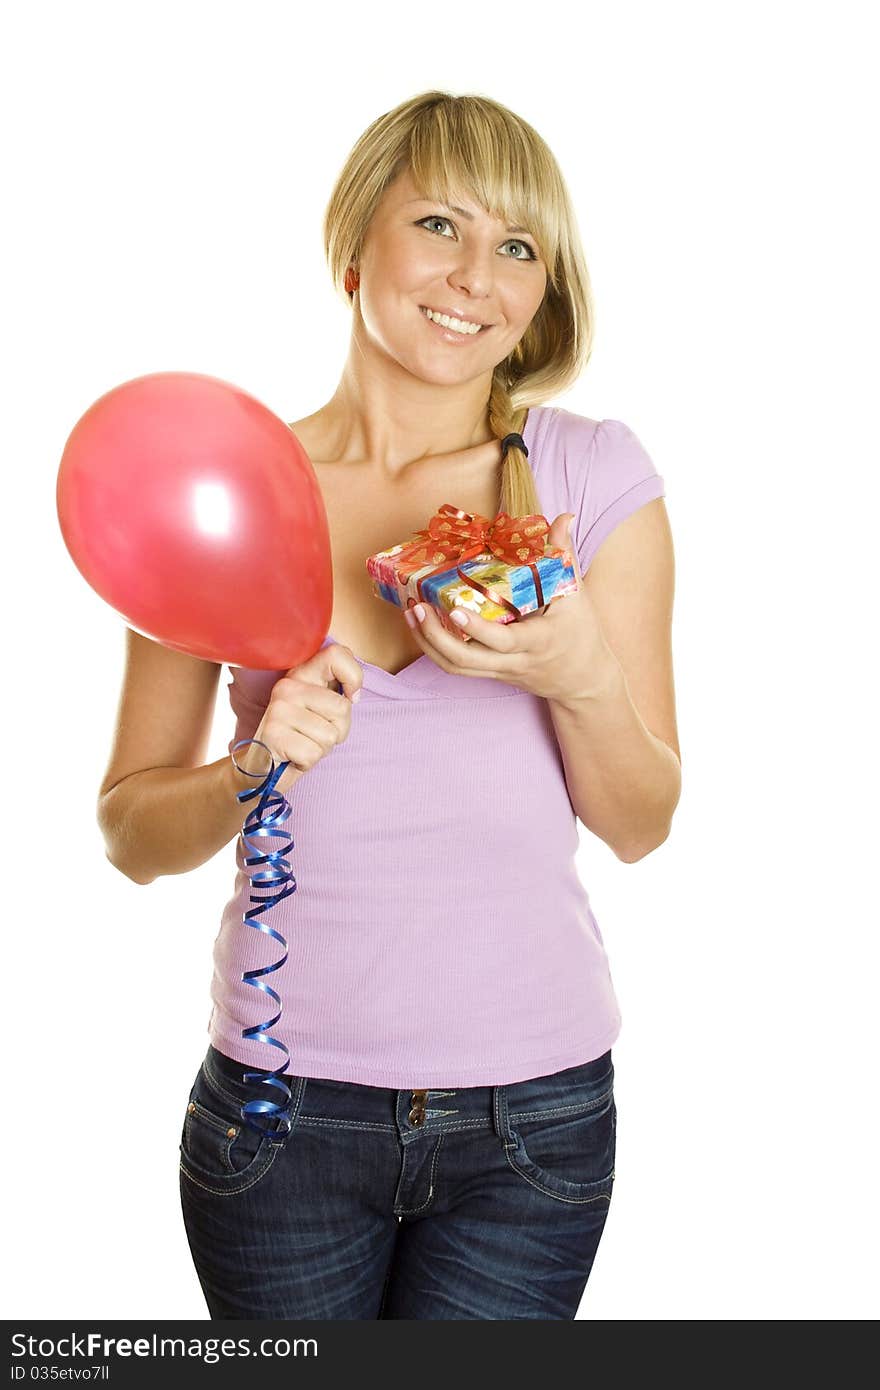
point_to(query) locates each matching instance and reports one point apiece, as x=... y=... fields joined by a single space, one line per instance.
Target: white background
x=166 y=168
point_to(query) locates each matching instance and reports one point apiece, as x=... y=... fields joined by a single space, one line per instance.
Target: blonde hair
x=474 y=145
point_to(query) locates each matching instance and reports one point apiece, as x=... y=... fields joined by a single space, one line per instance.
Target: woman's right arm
x=168 y=820
x=162 y=813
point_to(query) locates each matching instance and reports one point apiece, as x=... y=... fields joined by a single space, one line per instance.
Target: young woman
x=447 y=1001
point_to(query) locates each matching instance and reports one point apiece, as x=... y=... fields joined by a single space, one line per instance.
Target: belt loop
x=500 y=1117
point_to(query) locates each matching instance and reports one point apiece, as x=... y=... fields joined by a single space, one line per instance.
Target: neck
x=383 y=413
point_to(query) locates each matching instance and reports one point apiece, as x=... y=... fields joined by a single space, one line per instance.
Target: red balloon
x=196 y=513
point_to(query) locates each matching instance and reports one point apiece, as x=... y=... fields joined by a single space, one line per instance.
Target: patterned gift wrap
x=501 y=569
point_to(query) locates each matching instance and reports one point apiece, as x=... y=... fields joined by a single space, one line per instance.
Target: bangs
x=482 y=160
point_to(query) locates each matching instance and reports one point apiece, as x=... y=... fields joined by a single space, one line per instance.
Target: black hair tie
x=516 y=440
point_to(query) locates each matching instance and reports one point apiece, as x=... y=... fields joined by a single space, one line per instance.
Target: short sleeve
x=620 y=478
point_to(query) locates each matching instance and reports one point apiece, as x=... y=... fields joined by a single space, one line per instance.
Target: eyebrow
x=462 y=212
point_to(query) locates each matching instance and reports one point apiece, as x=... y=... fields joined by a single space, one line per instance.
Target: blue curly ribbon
x=279 y=872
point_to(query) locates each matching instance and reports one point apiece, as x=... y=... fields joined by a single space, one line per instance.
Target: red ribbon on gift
x=452 y=536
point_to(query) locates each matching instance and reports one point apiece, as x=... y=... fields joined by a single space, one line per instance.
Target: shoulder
x=560 y=430
x=608 y=474
x=601 y=451
x=583 y=435
x=593 y=456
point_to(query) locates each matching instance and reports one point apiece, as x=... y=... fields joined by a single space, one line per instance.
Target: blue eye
x=437 y=218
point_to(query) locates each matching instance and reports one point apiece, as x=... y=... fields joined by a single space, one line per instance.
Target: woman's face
x=421 y=254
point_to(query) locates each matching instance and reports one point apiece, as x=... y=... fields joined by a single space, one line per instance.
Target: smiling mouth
x=468 y=327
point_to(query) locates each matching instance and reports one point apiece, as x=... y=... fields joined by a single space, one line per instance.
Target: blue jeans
x=480 y=1202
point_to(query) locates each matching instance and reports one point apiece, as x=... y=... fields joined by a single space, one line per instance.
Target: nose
x=473 y=275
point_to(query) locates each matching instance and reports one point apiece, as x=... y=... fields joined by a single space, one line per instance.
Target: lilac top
x=439 y=934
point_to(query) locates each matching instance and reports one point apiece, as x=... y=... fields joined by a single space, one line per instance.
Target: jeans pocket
x=568 y=1152
x=219 y=1151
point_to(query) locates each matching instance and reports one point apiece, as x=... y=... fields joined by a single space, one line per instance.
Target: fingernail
x=356 y=696
x=419 y=612
x=410 y=617
x=458 y=616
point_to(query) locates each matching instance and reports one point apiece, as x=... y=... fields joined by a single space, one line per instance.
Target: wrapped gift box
x=501 y=568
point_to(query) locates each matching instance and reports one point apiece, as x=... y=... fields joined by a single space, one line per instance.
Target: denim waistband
x=574 y=1089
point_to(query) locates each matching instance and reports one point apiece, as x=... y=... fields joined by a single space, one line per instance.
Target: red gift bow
x=457 y=536
x=453 y=536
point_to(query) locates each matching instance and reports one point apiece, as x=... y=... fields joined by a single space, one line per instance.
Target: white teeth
x=458 y=325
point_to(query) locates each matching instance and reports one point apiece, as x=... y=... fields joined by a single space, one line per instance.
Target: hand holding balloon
x=196 y=513
x=304 y=719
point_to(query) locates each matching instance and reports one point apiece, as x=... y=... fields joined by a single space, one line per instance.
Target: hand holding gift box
x=501 y=569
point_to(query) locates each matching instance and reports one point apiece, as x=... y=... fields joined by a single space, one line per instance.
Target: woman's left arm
x=617 y=733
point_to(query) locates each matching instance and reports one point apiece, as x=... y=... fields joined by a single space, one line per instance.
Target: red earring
x=351 y=281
